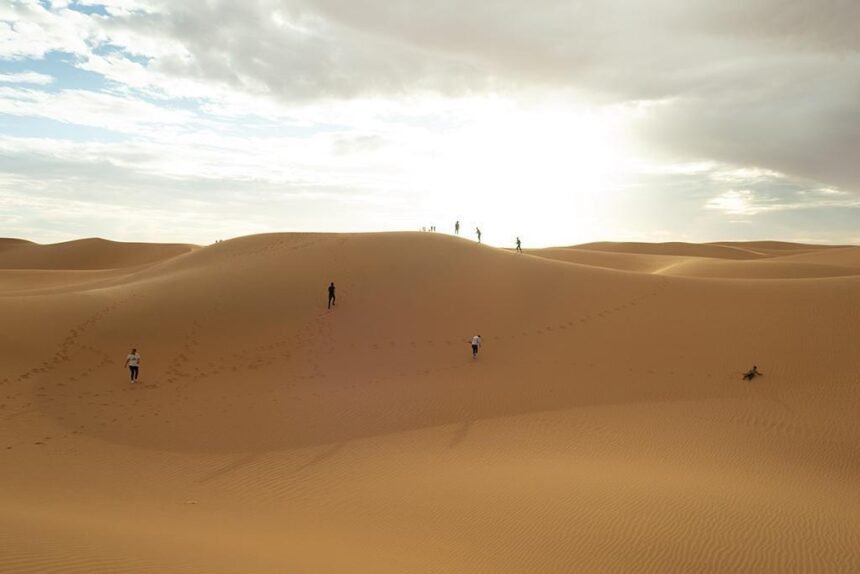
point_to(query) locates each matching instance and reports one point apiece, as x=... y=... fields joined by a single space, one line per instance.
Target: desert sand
x=604 y=426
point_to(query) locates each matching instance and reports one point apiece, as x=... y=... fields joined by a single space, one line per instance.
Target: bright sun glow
x=515 y=169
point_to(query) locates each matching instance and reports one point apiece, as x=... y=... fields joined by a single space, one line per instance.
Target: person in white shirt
x=132 y=361
x=476 y=343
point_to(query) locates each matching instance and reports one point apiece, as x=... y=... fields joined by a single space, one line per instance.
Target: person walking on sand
x=132 y=361
x=478 y=232
x=331 y=294
x=519 y=246
x=476 y=344
x=457 y=227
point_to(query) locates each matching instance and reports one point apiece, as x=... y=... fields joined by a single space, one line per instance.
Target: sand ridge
x=604 y=426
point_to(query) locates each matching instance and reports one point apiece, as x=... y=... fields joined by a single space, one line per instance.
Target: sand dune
x=638 y=262
x=717 y=250
x=844 y=257
x=761 y=269
x=84 y=254
x=756 y=260
x=604 y=427
x=8 y=243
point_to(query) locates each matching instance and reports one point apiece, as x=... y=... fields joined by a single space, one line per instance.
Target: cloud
x=55 y=191
x=27 y=78
x=764 y=83
x=773 y=196
x=30 y=30
x=792 y=116
x=719 y=202
x=368 y=94
x=734 y=202
x=96 y=109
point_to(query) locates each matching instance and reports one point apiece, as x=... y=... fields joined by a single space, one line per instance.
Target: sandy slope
x=603 y=428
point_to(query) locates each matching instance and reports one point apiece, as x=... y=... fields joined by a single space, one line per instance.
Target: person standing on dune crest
x=457 y=227
x=331 y=295
x=519 y=246
x=476 y=343
x=132 y=361
x=478 y=232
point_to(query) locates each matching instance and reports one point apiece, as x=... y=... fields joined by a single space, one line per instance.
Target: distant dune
x=719 y=250
x=604 y=426
x=758 y=260
x=84 y=254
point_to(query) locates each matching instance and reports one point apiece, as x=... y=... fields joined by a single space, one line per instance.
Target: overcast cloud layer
x=214 y=118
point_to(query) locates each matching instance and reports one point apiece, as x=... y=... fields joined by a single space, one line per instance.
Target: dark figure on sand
x=132 y=361
x=752 y=373
x=478 y=232
x=331 y=295
x=457 y=228
x=519 y=246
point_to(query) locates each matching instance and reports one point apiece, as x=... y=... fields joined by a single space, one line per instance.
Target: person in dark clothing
x=457 y=228
x=478 y=231
x=331 y=295
x=752 y=373
x=519 y=246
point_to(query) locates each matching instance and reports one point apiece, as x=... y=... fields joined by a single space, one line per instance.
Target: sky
x=558 y=121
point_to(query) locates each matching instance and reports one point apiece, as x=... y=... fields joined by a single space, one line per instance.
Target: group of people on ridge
x=519 y=247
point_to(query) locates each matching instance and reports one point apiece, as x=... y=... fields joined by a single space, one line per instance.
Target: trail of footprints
x=540 y=331
x=240 y=361
x=261 y=356
x=69 y=347
x=181 y=368
x=70 y=344
x=324 y=333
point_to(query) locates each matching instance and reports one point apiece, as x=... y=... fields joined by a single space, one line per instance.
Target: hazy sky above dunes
x=559 y=121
